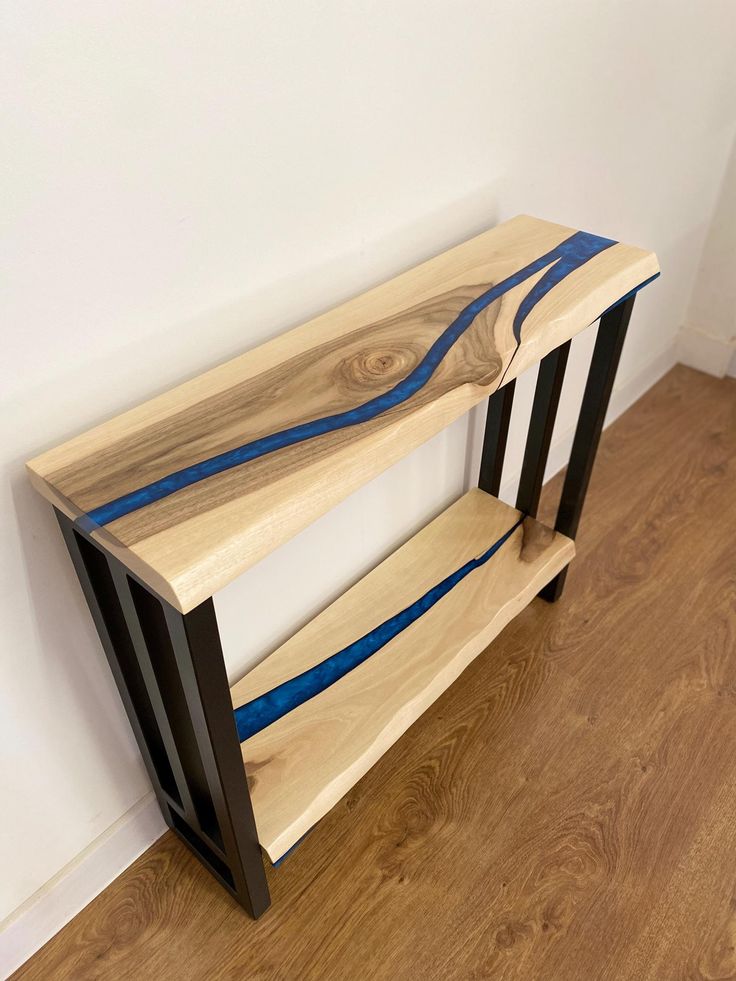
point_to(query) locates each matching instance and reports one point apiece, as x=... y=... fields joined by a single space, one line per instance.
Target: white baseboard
x=76 y=885
x=700 y=350
x=73 y=887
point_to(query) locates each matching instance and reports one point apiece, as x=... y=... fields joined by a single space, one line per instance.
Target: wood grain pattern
x=566 y=811
x=191 y=542
x=301 y=765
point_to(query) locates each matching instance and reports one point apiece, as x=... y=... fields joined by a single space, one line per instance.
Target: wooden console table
x=165 y=504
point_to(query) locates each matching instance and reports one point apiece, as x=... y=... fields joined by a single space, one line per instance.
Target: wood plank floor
x=567 y=810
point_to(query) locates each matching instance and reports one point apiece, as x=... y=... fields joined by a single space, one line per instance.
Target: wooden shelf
x=300 y=765
x=193 y=487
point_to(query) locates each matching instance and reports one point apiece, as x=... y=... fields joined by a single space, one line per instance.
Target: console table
x=167 y=503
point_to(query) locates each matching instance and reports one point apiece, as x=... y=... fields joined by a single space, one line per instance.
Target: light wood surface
x=189 y=543
x=566 y=811
x=301 y=765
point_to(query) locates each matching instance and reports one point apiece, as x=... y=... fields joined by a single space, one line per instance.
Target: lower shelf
x=324 y=707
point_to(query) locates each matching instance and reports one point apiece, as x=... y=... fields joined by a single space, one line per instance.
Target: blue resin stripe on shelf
x=567 y=256
x=278 y=702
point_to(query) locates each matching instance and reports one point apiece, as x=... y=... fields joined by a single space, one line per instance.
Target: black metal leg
x=544 y=409
x=149 y=662
x=598 y=388
x=91 y=567
x=198 y=652
x=171 y=676
x=495 y=437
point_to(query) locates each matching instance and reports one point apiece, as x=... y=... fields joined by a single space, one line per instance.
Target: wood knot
x=380 y=368
x=536 y=539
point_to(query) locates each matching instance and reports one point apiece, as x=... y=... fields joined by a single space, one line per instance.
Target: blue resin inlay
x=275 y=704
x=567 y=256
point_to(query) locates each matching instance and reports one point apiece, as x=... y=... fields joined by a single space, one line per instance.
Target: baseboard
x=73 y=887
x=700 y=350
x=622 y=398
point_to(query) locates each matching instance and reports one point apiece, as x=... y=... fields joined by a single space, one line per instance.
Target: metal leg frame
x=598 y=388
x=170 y=672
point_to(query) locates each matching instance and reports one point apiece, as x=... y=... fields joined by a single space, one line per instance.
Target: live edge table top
x=193 y=487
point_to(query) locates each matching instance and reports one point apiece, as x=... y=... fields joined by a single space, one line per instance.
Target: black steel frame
x=170 y=673
x=601 y=375
x=169 y=667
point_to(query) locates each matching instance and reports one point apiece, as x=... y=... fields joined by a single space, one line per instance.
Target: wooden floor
x=567 y=810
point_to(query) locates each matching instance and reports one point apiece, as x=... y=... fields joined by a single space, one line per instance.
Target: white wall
x=708 y=340
x=185 y=180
